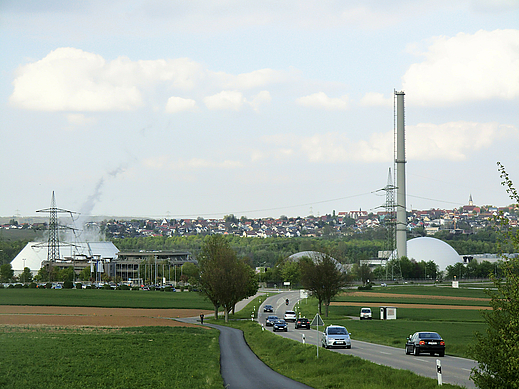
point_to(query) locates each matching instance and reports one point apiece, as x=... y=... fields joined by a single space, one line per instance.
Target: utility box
x=387 y=313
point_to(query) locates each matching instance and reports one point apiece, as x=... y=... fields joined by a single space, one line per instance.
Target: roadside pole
x=317 y=321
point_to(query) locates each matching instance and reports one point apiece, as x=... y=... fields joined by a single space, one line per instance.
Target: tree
x=291 y=272
x=224 y=279
x=6 y=272
x=322 y=276
x=497 y=350
x=26 y=275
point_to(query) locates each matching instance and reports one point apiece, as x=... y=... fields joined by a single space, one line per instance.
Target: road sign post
x=317 y=321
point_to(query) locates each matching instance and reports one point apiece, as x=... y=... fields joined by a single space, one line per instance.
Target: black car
x=425 y=342
x=268 y=308
x=271 y=320
x=280 y=325
x=302 y=322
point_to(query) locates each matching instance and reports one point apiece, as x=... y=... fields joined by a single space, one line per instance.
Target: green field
x=104 y=298
x=155 y=357
x=142 y=357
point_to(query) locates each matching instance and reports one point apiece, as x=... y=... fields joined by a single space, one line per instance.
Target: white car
x=290 y=316
x=336 y=336
x=365 y=313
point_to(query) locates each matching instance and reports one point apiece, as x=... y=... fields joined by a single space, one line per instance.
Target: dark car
x=302 y=322
x=280 y=325
x=268 y=308
x=425 y=342
x=270 y=320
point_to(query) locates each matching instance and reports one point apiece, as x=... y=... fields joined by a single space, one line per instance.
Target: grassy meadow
x=160 y=357
x=104 y=298
x=139 y=357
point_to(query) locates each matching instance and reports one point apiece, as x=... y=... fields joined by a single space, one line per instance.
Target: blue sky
x=206 y=108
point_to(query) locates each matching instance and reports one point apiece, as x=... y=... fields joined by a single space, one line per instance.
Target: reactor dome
x=432 y=249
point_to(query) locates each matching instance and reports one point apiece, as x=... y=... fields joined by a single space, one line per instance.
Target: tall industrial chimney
x=401 y=215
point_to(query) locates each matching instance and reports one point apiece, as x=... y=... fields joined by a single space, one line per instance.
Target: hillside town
x=463 y=220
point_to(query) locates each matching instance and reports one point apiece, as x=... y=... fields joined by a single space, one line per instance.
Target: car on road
x=302 y=322
x=290 y=316
x=336 y=336
x=268 y=308
x=270 y=320
x=280 y=325
x=425 y=342
x=365 y=313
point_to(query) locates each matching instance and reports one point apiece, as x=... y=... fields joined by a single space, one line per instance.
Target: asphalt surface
x=240 y=367
x=454 y=370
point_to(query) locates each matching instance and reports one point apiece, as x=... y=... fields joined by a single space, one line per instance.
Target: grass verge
x=330 y=370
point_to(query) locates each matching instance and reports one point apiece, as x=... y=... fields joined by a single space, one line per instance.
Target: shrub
x=48 y=285
x=365 y=287
x=79 y=285
x=135 y=288
x=18 y=286
x=106 y=286
x=68 y=285
x=33 y=285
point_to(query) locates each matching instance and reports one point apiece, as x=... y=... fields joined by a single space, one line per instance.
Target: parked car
x=383 y=284
x=270 y=320
x=302 y=322
x=365 y=313
x=290 y=316
x=268 y=308
x=280 y=325
x=336 y=336
x=425 y=342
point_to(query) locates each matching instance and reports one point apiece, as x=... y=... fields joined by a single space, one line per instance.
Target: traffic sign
x=317 y=321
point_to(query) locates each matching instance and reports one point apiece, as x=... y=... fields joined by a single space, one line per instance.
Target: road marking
x=421 y=360
x=382 y=352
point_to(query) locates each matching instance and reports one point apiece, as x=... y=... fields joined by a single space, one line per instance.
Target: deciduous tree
x=322 y=276
x=224 y=279
x=497 y=350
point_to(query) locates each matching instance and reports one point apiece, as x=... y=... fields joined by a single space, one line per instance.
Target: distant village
x=464 y=220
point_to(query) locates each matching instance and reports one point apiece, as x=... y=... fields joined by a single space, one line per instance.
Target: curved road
x=455 y=370
x=241 y=368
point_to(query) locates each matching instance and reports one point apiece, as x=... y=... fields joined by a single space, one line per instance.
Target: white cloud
x=322 y=101
x=178 y=104
x=374 y=99
x=466 y=67
x=69 y=79
x=261 y=98
x=452 y=141
x=229 y=100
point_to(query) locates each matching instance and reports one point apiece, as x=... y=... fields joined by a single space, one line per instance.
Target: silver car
x=336 y=336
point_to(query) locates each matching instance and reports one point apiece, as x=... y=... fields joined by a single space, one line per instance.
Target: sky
x=185 y=109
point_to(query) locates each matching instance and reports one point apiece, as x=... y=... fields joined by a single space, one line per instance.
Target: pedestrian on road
x=201 y=318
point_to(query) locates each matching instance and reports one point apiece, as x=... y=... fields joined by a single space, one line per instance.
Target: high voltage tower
x=53 y=243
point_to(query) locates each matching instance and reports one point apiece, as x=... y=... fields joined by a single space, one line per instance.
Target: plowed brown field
x=95 y=317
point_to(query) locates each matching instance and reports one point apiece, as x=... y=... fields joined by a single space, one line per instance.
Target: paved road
x=455 y=370
x=240 y=367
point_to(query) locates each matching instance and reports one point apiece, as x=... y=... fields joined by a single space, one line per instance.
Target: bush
x=33 y=285
x=365 y=287
x=168 y=289
x=79 y=285
x=18 y=286
x=48 y=285
x=68 y=285
x=123 y=287
x=135 y=288
x=106 y=286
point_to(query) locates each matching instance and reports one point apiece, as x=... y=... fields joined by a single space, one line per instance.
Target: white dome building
x=432 y=249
